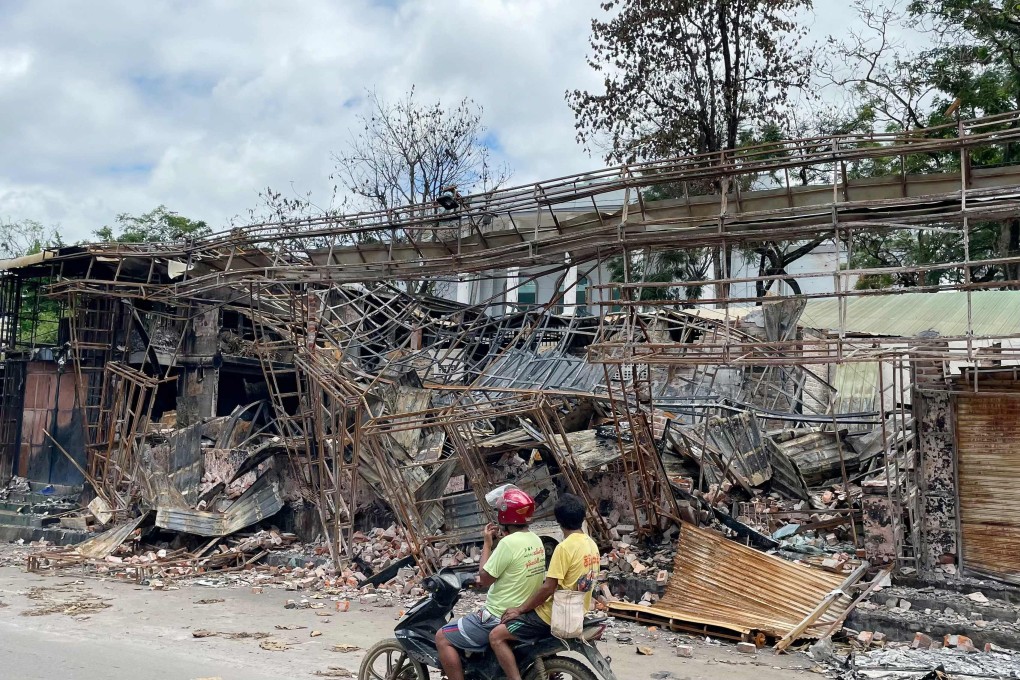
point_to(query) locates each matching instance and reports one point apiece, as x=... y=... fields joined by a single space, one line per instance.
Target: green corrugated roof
x=996 y=313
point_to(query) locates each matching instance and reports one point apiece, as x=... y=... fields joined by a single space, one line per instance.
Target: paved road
x=147 y=635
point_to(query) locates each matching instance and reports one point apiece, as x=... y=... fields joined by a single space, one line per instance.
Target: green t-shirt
x=518 y=565
x=575 y=565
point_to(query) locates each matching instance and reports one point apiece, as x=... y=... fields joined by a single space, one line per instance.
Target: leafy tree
x=689 y=76
x=26 y=237
x=973 y=69
x=666 y=267
x=38 y=318
x=977 y=56
x=976 y=62
x=156 y=226
x=920 y=248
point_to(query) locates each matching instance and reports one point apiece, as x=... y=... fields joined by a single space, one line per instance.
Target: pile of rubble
x=900 y=662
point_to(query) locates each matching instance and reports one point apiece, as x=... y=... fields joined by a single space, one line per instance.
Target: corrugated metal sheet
x=590 y=450
x=516 y=438
x=260 y=501
x=816 y=454
x=465 y=519
x=98 y=547
x=27 y=260
x=988 y=433
x=739 y=445
x=856 y=390
x=719 y=583
x=550 y=370
x=909 y=314
x=185 y=461
x=734 y=448
x=786 y=476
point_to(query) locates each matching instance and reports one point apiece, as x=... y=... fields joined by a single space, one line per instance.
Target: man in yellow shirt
x=574 y=566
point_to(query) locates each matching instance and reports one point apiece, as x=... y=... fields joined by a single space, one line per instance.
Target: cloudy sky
x=109 y=107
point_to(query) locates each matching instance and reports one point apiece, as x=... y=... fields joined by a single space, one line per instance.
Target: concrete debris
x=961 y=642
x=274 y=646
x=334 y=672
x=822 y=650
x=895 y=663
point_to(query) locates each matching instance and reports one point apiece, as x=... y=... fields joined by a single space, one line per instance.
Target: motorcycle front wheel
x=387 y=660
x=562 y=668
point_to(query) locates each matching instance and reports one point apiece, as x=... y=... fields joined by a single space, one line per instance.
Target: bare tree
x=402 y=157
x=875 y=74
x=408 y=153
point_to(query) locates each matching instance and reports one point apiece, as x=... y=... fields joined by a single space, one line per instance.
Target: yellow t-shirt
x=575 y=564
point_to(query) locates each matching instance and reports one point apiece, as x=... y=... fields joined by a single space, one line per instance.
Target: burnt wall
x=936 y=442
x=50 y=406
x=198 y=382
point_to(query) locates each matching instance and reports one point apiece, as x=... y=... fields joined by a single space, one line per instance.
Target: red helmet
x=516 y=507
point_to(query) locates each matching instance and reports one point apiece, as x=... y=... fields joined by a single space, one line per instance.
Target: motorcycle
x=412 y=651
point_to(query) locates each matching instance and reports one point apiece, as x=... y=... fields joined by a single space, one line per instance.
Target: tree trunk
x=722 y=260
x=1009 y=246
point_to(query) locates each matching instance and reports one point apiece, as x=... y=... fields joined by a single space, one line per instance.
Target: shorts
x=471 y=633
x=529 y=627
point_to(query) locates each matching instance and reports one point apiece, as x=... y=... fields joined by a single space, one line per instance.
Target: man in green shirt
x=512 y=572
x=574 y=566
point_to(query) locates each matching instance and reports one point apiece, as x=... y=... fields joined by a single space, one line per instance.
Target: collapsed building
x=335 y=374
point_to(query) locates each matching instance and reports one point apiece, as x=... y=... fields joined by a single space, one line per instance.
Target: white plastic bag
x=567 y=614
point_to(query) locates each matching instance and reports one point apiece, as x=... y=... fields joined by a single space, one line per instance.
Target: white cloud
x=14 y=64
x=112 y=107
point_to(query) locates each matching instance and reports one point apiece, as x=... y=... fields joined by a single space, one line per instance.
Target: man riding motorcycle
x=574 y=566
x=513 y=571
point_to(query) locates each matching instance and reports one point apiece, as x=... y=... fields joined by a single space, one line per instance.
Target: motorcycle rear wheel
x=387 y=660
x=562 y=668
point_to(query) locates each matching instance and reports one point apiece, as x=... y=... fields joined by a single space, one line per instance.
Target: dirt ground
x=66 y=626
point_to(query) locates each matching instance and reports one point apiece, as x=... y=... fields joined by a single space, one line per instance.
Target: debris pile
x=896 y=662
x=123 y=552
x=358 y=383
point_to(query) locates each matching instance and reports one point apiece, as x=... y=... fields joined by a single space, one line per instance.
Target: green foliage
x=26 y=237
x=923 y=248
x=665 y=267
x=978 y=55
x=38 y=316
x=156 y=226
x=972 y=70
x=688 y=76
